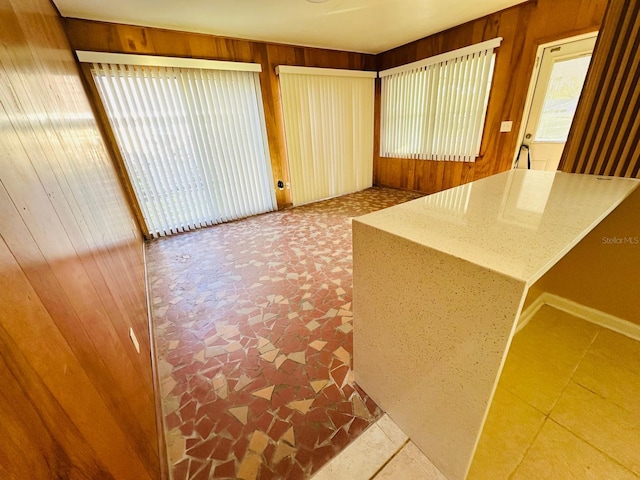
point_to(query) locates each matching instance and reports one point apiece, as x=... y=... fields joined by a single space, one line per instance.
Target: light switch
x=506 y=126
x=134 y=339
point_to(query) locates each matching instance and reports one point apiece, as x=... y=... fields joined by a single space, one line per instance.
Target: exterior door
x=562 y=72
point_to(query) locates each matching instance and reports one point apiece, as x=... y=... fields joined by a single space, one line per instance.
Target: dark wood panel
x=30 y=415
x=605 y=135
x=31 y=330
x=71 y=273
x=110 y=37
x=523 y=28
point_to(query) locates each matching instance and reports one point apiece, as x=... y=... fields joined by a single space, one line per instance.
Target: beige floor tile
x=511 y=427
x=610 y=380
x=544 y=355
x=362 y=458
x=563 y=350
x=551 y=321
x=558 y=454
x=608 y=427
x=423 y=461
x=391 y=430
x=535 y=380
x=405 y=466
x=549 y=363
x=618 y=349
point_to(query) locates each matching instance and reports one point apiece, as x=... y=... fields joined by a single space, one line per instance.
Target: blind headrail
x=158 y=61
x=332 y=72
x=443 y=57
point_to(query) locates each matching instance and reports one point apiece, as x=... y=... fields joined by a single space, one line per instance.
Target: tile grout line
x=576 y=434
x=609 y=457
x=573 y=373
x=547 y=416
x=395 y=454
x=595 y=337
x=535 y=437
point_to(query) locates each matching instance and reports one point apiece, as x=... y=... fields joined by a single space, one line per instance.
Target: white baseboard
x=528 y=313
x=576 y=309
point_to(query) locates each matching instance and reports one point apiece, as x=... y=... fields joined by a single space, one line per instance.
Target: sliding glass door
x=193 y=142
x=328 y=120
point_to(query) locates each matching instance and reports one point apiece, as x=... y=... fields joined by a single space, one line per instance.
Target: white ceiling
x=370 y=26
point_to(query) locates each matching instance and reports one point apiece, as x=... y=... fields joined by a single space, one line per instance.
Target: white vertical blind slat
x=208 y=202
x=404 y=97
x=475 y=97
x=484 y=99
x=386 y=93
x=247 y=170
x=225 y=186
x=251 y=171
x=228 y=91
x=397 y=107
x=181 y=143
x=457 y=121
x=193 y=142
x=268 y=195
x=467 y=140
x=234 y=155
x=449 y=72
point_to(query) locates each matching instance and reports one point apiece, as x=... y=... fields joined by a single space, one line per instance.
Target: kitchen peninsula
x=439 y=286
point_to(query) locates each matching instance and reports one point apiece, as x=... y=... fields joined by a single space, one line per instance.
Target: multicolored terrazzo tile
x=253 y=328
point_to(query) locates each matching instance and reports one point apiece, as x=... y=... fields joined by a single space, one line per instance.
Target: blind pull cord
x=525 y=147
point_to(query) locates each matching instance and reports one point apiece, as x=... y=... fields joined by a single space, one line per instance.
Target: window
x=561 y=99
x=434 y=109
x=192 y=139
x=328 y=122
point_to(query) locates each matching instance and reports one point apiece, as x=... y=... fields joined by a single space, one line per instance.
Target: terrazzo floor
x=253 y=328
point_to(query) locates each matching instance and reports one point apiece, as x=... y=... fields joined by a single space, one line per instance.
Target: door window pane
x=561 y=100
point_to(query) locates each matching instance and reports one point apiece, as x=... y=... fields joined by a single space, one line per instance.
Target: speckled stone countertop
x=518 y=223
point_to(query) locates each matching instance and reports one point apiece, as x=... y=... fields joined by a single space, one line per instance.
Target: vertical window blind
x=193 y=141
x=434 y=109
x=328 y=120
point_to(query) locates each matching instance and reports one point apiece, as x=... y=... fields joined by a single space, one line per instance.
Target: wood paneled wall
x=110 y=37
x=605 y=134
x=76 y=399
x=523 y=28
